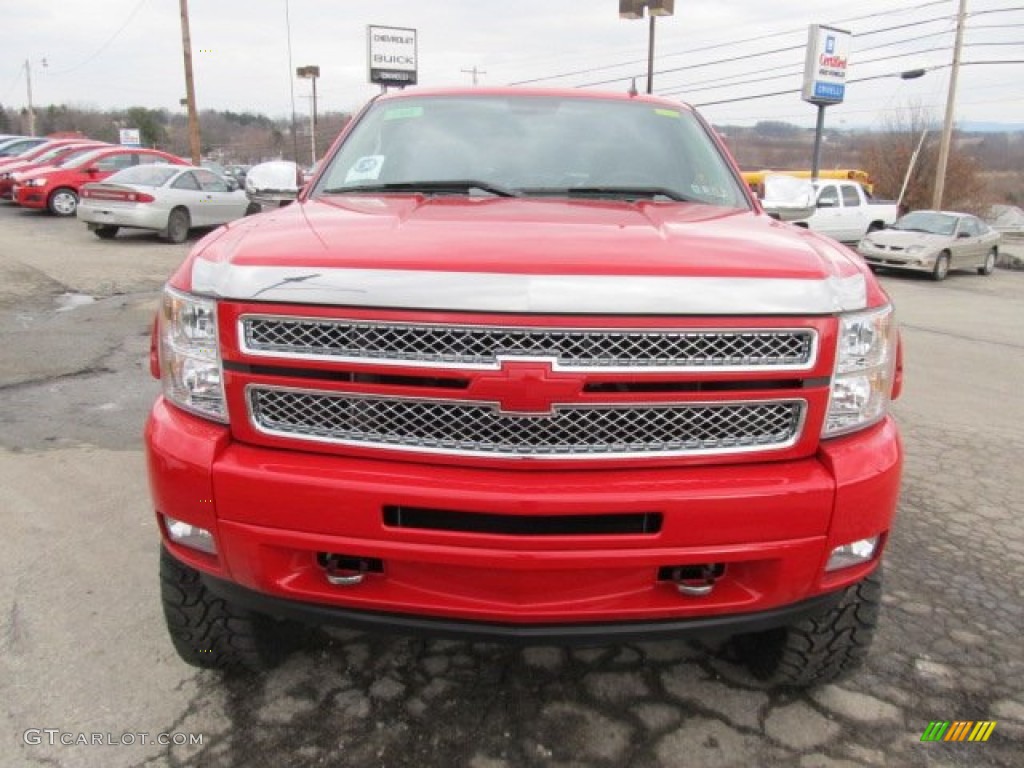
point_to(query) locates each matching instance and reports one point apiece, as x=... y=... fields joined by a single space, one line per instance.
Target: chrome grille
x=482 y=346
x=572 y=431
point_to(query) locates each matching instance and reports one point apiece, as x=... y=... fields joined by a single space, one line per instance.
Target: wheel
x=875 y=226
x=990 y=263
x=178 y=223
x=106 y=232
x=821 y=648
x=210 y=632
x=63 y=202
x=941 y=268
x=253 y=209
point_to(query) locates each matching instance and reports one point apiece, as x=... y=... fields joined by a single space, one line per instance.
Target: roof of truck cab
x=560 y=93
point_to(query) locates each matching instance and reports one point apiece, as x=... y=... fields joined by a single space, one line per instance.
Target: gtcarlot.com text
x=54 y=737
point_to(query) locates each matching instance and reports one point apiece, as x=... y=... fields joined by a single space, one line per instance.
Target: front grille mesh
x=457 y=427
x=482 y=346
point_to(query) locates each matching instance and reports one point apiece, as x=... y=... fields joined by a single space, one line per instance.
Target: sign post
x=391 y=56
x=824 y=77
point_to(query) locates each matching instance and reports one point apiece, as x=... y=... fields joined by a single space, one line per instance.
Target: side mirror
x=787 y=198
x=92 y=171
x=273 y=184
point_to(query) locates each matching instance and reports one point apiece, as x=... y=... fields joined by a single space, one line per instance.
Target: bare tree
x=887 y=156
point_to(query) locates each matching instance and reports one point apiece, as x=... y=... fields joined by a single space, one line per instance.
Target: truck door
x=854 y=216
x=828 y=217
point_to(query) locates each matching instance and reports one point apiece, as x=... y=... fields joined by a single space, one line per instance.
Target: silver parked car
x=170 y=199
x=933 y=242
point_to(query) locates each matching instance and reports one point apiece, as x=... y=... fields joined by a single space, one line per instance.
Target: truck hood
x=520 y=254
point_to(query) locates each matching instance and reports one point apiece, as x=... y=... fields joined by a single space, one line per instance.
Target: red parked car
x=58 y=155
x=56 y=188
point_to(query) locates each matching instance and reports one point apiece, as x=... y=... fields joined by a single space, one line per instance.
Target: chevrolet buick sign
x=826 y=65
x=392 y=55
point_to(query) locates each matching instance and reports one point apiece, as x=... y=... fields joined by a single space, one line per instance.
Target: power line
x=793 y=69
x=731 y=44
x=747 y=57
x=105 y=45
x=857 y=80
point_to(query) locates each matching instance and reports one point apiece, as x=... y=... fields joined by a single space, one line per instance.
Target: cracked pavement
x=83 y=647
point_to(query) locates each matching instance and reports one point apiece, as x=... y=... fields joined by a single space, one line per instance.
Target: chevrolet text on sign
x=392 y=55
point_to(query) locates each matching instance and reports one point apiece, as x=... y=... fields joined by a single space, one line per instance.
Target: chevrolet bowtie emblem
x=526 y=387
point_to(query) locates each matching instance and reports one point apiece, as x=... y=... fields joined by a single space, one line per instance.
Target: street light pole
x=947 y=126
x=311 y=72
x=634 y=9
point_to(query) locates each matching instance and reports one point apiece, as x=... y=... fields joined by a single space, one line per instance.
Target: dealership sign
x=130 y=137
x=392 y=55
x=826 y=65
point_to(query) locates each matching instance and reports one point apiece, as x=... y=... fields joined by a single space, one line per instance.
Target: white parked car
x=934 y=242
x=170 y=199
x=845 y=212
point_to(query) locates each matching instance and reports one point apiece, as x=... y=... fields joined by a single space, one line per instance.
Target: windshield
x=532 y=145
x=144 y=175
x=927 y=221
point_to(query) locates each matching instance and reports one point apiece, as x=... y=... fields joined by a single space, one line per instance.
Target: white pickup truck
x=845 y=212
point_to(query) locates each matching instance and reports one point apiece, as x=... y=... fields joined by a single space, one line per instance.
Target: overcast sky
x=118 y=53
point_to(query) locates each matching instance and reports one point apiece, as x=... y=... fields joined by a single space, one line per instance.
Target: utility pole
x=190 y=87
x=947 y=126
x=31 y=109
x=474 y=72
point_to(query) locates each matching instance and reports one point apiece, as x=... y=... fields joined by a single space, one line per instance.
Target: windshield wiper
x=626 y=193
x=450 y=186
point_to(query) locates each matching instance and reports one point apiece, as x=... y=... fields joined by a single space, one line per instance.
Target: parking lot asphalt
x=84 y=653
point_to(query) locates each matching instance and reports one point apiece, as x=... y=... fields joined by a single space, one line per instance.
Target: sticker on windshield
x=365 y=169
x=666 y=112
x=403 y=113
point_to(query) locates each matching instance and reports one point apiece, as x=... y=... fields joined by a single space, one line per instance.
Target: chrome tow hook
x=694 y=580
x=347 y=571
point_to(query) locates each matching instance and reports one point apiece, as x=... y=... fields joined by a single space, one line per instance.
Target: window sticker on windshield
x=403 y=113
x=365 y=169
x=666 y=112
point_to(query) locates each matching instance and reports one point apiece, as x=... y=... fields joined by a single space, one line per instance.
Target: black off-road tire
x=819 y=649
x=106 y=232
x=211 y=633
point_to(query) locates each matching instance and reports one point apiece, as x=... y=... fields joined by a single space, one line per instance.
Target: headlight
x=34 y=183
x=865 y=367
x=912 y=249
x=190 y=365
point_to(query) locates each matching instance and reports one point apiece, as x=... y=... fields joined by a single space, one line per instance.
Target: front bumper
x=772 y=527
x=30 y=197
x=918 y=262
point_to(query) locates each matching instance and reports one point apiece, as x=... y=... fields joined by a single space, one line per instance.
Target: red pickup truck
x=525 y=365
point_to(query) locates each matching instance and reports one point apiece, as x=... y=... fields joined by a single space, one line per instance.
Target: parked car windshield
x=927 y=221
x=532 y=145
x=144 y=175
